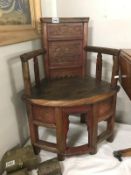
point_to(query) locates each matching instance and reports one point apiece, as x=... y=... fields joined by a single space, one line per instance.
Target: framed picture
x=19 y=21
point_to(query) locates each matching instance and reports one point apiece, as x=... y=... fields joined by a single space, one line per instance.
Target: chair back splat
x=64 y=43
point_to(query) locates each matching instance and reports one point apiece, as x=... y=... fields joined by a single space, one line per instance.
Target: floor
x=102 y=163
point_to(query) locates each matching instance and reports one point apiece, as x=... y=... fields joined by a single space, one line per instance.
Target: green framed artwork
x=19 y=20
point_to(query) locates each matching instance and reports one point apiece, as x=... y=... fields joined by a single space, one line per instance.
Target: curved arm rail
x=104 y=50
x=109 y=51
x=25 y=67
x=33 y=54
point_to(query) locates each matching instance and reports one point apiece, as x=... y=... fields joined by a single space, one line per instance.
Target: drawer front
x=125 y=69
x=43 y=114
x=67 y=30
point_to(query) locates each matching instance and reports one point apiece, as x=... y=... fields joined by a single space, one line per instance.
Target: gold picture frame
x=10 y=34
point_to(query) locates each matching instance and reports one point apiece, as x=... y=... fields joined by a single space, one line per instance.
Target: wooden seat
x=66 y=89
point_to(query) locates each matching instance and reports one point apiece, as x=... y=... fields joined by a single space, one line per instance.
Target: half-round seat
x=69 y=92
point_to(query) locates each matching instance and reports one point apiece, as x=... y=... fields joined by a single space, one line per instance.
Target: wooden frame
x=10 y=34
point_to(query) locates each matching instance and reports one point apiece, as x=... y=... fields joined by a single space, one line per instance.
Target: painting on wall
x=19 y=20
x=14 y=12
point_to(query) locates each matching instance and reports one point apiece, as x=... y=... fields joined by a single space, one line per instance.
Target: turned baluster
x=36 y=71
x=99 y=67
x=26 y=75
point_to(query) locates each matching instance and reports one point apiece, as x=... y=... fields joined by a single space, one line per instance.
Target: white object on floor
x=102 y=163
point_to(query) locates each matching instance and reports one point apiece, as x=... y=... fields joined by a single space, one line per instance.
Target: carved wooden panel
x=67 y=30
x=61 y=73
x=65 y=53
x=43 y=114
x=64 y=42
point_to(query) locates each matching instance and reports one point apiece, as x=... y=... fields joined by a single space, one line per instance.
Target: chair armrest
x=104 y=50
x=33 y=54
x=26 y=69
x=115 y=68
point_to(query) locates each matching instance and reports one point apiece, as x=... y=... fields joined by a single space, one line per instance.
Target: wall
x=13 y=119
x=109 y=26
x=49 y=8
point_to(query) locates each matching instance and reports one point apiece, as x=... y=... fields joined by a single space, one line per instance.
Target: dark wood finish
x=66 y=20
x=102 y=50
x=66 y=89
x=125 y=80
x=64 y=43
x=36 y=71
x=125 y=68
x=70 y=92
x=99 y=67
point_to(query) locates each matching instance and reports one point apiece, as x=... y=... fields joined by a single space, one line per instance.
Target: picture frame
x=15 y=33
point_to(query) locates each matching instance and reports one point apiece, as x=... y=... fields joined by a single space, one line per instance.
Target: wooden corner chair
x=66 y=89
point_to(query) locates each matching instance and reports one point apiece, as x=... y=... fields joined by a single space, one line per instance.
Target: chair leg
x=83 y=118
x=110 y=128
x=33 y=129
x=36 y=150
x=92 y=129
x=60 y=157
x=111 y=138
x=34 y=137
x=111 y=122
x=62 y=126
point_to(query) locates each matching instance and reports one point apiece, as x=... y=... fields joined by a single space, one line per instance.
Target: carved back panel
x=64 y=43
